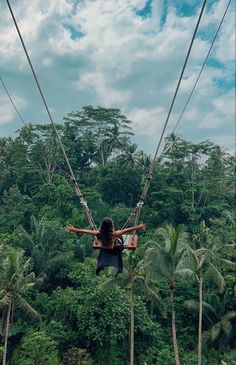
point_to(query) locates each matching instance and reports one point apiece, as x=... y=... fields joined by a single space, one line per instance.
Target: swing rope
x=137 y=210
x=71 y=173
x=203 y=65
x=12 y=102
x=42 y=148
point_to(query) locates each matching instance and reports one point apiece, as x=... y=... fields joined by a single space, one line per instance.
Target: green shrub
x=36 y=348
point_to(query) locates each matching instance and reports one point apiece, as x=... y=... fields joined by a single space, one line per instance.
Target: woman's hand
x=142 y=226
x=70 y=228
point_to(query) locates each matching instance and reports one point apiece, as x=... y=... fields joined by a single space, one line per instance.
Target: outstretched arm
x=127 y=230
x=71 y=228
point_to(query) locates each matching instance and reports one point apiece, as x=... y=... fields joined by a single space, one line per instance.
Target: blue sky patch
x=213 y=62
x=185 y=9
x=146 y=11
x=164 y=13
x=74 y=33
x=225 y=85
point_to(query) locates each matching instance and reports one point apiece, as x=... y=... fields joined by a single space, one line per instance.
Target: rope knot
x=140 y=205
x=84 y=203
x=73 y=179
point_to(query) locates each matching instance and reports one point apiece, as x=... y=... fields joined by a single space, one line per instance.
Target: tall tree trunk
x=102 y=155
x=199 y=355
x=132 y=327
x=174 y=337
x=4 y=357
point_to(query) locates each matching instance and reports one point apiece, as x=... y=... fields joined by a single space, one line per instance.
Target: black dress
x=111 y=257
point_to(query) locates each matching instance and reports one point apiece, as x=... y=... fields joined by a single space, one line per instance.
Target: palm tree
x=144 y=162
x=202 y=262
x=166 y=260
x=205 y=261
x=216 y=316
x=115 y=138
x=108 y=128
x=14 y=281
x=130 y=155
x=133 y=278
x=222 y=331
x=39 y=246
x=171 y=141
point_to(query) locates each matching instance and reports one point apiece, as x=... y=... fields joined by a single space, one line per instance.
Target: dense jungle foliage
x=53 y=309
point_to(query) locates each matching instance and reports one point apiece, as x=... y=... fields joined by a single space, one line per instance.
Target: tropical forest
x=173 y=304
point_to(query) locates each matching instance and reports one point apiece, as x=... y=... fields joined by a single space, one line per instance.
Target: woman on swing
x=112 y=243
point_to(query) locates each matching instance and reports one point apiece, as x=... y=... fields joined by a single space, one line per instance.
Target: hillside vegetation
x=53 y=309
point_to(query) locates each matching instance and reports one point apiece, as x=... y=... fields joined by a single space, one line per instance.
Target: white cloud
x=147 y=122
x=6 y=114
x=224 y=48
x=32 y=18
x=225 y=140
x=107 y=96
x=7 y=111
x=221 y=113
x=47 y=61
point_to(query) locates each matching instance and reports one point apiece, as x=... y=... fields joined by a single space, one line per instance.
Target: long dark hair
x=106 y=230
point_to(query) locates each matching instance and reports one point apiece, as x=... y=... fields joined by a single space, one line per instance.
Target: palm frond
x=230 y=248
x=26 y=307
x=230 y=315
x=204 y=251
x=155 y=297
x=5 y=299
x=180 y=229
x=209 y=312
x=222 y=328
x=27 y=281
x=201 y=262
x=179 y=257
x=191 y=304
x=186 y=273
x=215 y=332
x=109 y=284
x=156 y=271
x=175 y=236
x=3 y=293
x=142 y=250
x=155 y=248
x=226 y=327
x=192 y=255
x=162 y=236
x=121 y=280
x=216 y=277
x=227 y=264
x=139 y=279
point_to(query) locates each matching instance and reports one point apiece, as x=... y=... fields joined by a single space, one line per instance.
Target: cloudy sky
x=121 y=53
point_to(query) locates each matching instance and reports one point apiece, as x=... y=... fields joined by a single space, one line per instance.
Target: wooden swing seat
x=130 y=242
